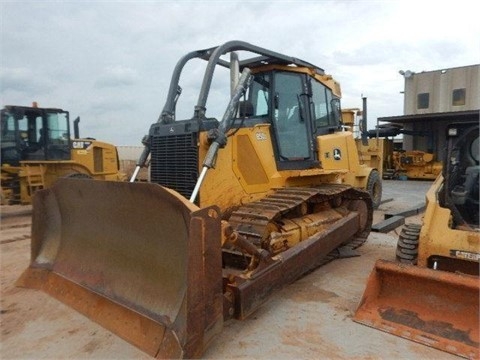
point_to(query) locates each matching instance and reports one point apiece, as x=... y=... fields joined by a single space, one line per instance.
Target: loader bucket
x=135 y=257
x=436 y=308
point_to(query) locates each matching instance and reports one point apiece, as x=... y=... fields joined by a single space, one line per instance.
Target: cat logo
x=81 y=144
x=337 y=154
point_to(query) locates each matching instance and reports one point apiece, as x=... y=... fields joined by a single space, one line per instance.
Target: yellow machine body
x=245 y=170
x=275 y=189
x=439 y=240
x=372 y=152
x=431 y=295
x=37 y=149
x=416 y=164
x=98 y=161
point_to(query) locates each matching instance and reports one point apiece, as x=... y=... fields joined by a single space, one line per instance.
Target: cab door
x=290 y=120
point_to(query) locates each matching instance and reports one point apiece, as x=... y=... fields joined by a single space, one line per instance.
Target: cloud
x=23 y=79
x=385 y=52
x=104 y=105
x=116 y=76
x=111 y=62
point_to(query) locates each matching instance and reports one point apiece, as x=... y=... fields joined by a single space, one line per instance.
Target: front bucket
x=435 y=308
x=135 y=257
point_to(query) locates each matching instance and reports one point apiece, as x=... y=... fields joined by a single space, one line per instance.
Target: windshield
x=58 y=128
x=34 y=134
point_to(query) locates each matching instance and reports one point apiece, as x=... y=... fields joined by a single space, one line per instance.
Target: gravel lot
x=310 y=318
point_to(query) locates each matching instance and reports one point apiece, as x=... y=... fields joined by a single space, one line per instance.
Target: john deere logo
x=337 y=154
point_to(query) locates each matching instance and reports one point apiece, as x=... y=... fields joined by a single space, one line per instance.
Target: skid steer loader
x=275 y=190
x=431 y=294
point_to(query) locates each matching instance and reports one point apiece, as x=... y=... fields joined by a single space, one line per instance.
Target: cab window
x=58 y=128
x=323 y=107
x=290 y=127
x=258 y=94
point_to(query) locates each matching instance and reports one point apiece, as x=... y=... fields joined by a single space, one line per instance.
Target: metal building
x=432 y=99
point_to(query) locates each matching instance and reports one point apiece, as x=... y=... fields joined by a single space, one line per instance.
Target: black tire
x=374 y=188
x=78 y=176
x=407 y=245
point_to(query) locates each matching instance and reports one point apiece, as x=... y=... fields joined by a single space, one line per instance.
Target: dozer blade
x=136 y=258
x=435 y=308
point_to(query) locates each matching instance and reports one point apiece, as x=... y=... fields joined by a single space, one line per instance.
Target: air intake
x=174 y=162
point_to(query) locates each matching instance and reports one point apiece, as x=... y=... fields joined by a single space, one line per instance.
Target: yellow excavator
x=431 y=294
x=234 y=210
x=37 y=149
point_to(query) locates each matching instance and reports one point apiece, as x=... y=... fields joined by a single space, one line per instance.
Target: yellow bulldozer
x=372 y=152
x=234 y=210
x=37 y=149
x=431 y=293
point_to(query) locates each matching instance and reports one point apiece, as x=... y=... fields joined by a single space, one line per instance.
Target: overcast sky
x=110 y=62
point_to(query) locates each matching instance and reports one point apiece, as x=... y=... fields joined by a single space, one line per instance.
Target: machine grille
x=174 y=162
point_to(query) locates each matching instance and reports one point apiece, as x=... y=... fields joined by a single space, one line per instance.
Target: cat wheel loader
x=234 y=210
x=431 y=293
x=37 y=150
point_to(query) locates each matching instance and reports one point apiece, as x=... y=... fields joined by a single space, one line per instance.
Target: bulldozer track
x=252 y=220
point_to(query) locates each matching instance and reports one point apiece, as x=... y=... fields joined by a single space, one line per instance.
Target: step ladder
x=35 y=177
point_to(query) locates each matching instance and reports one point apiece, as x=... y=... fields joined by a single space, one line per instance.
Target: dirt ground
x=308 y=319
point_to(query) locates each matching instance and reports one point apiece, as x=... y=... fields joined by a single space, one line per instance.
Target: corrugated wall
x=440 y=85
